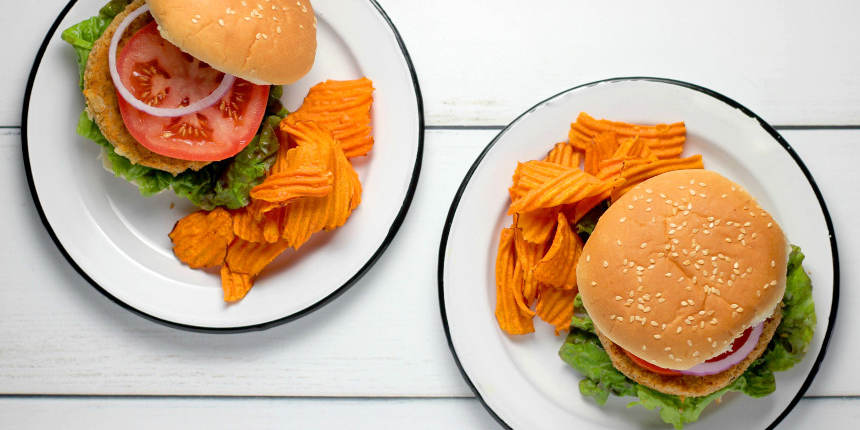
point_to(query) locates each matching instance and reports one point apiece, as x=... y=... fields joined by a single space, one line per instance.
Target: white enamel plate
x=521 y=380
x=117 y=239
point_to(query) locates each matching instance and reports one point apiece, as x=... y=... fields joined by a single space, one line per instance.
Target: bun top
x=680 y=266
x=261 y=41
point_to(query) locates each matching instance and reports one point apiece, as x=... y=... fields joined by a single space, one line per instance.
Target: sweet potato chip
x=635 y=173
x=528 y=254
x=569 y=187
x=250 y=258
x=235 y=285
x=200 y=239
x=308 y=216
x=246 y=225
x=558 y=266
x=602 y=146
x=513 y=315
x=555 y=306
x=665 y=140
x=293 y=184
x=343 y=108
x=532 y=174
x=305 y=170
x=565 y=154
x=537 y=225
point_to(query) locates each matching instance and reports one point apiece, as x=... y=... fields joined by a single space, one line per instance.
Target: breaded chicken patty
x=103 y=108
x=689 y=385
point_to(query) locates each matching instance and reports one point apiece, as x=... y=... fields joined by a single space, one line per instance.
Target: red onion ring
x=733 y=359
x=201 y=104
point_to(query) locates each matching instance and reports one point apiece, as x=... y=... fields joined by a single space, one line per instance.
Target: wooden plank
x=484 y=62
x=382 y=338
x=322 y=413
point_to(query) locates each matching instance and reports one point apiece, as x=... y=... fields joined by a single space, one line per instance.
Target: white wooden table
x=377 y=356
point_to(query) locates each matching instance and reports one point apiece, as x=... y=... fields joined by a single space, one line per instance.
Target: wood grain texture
x=382 y=338
x=357 y=414
x=484 y=61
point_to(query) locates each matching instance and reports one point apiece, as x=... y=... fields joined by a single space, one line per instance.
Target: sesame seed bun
x=261 y=41
x=680 y=266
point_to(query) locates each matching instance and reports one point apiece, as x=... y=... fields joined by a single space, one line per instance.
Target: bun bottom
x=689 y=385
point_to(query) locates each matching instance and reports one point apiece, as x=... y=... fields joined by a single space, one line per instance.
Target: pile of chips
x=602 y=160
x=311 y=187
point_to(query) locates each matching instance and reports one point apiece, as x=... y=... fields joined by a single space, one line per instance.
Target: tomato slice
x=160 y=74
x=737 y=343
x=648 y=366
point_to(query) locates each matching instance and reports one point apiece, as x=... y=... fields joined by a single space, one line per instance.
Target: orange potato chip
x=602 y=147
x=250 y=258
x=635 y=173
x=528 y=254
x=200 y=239
x=343 y=108
x=513 y=315
x=293 y=184
x=246 y=225
x=558 y=266
x=308 y=216
x=569 y=187
x=532 y=174
x=235 y=285
x=565 y=154
x=304 y=171
x=555 y=306
x=537 y=225
x=665 y=140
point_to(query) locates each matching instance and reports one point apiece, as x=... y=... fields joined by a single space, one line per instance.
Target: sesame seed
x=689 y=342
x=657 y=336
x=221 y=22
x=654 y=323
x=643 y=245
x=661 y=300
x=644 y=348
x=679 y=329
x=773 y=282
x=618 y=242
x=740 y=309
x=629 y=206
x=667 y=349
x=194 y=20
x=605 y=263
x=649 y=191
x=593 y=283
x=668 y=274
x=769 y=225
x=624 y=218
x=588 y=258
x=618 y=298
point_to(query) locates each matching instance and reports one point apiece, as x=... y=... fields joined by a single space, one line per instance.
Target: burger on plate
x=183 y=94
x=688 y=290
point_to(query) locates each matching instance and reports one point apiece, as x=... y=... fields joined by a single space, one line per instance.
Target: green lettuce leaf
x=83 y=34
x=582 y=351
x=224 y=183
x=585 y=226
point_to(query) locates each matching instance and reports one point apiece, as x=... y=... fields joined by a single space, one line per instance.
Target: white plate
x=117 y=239
x=521 y=380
